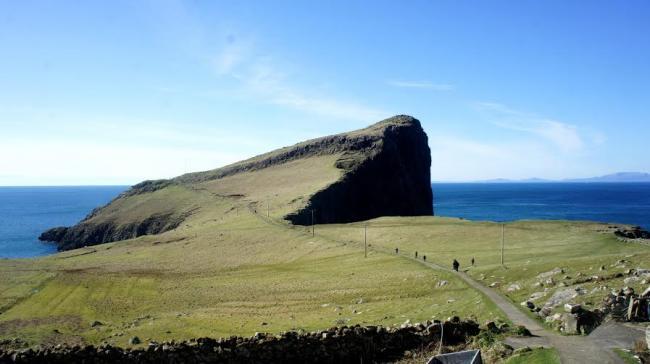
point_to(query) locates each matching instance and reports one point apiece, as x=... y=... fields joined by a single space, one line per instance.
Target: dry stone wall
x=337 y=345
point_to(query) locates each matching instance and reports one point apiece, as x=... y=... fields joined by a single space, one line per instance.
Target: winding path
x=572 y=349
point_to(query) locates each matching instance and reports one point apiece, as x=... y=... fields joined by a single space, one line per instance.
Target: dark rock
x=492 y=327
x=54 y=234
x=89 y=233
x=394 y=181
x=632 y=233
x=337 y=345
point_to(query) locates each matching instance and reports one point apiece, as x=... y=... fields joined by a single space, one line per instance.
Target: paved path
x=572 y=349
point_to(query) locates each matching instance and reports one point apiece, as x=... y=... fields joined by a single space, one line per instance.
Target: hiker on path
x=472 y=261
x=416 y=254
x=396 y=250
x=456 y=265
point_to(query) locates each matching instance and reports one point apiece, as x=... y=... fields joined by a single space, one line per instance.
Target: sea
x=25 y=212
x=622 y=203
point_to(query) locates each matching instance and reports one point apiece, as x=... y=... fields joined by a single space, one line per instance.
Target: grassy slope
x=531 y=247
x=626 y=356
x=536 y=356
x=226 y=270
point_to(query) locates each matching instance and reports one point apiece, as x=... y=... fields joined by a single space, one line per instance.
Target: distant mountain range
x=620 y=177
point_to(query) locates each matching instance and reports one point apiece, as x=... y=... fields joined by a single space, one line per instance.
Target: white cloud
x=422 y=85
x=49 y=162
x=240 y=56
x=263 y=79
x=565 y=136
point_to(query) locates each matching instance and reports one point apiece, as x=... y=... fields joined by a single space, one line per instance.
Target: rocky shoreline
x=336 y=345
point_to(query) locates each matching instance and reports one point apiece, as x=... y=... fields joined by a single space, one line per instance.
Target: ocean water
x=25 y=212
x=623 y=203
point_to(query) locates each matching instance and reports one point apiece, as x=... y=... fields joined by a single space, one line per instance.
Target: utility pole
x=503 y=240
x=365 y=241
x=312 y=222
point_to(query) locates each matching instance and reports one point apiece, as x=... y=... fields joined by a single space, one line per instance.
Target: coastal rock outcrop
x=88 y=233
x=632 y=233
x=394 y=180
x=382 y=170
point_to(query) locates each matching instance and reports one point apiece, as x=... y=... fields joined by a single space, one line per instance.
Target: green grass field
x=626 y=356
x=234 y=267
x=241 y=273
x=536 y=356
x=580 y=249
x=233 y=275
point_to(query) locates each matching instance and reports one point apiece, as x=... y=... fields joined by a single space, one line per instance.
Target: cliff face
x=393 y=180
x=90 y=233
x=382 y=170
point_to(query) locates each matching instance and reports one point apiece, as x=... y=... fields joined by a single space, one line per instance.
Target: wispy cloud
x=263 y=78
x=565 y=136
x=422 y=85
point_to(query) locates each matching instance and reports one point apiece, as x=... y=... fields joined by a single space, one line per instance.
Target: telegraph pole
x=365 y=240
x=503 y=240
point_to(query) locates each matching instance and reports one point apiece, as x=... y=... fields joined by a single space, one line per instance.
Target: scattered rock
x=544 y=311
x=96 y=324
x=528 y=304
x=550 y=273
x=570 y=324
x=572 y=307
x=513 y=287
x=549 y=282
x=134 y=340
x=492 y=327
x=536 y=295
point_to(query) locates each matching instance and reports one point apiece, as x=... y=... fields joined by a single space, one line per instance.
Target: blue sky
x=121 y=91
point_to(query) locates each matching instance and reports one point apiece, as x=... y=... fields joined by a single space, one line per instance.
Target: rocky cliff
x=382 y=170
x=391 y=177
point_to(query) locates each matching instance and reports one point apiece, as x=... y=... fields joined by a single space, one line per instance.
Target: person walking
x=455 y=264
x=472 y=261
x=416 y=254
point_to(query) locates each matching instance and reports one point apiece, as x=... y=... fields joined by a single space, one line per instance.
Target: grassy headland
x=211 y=254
